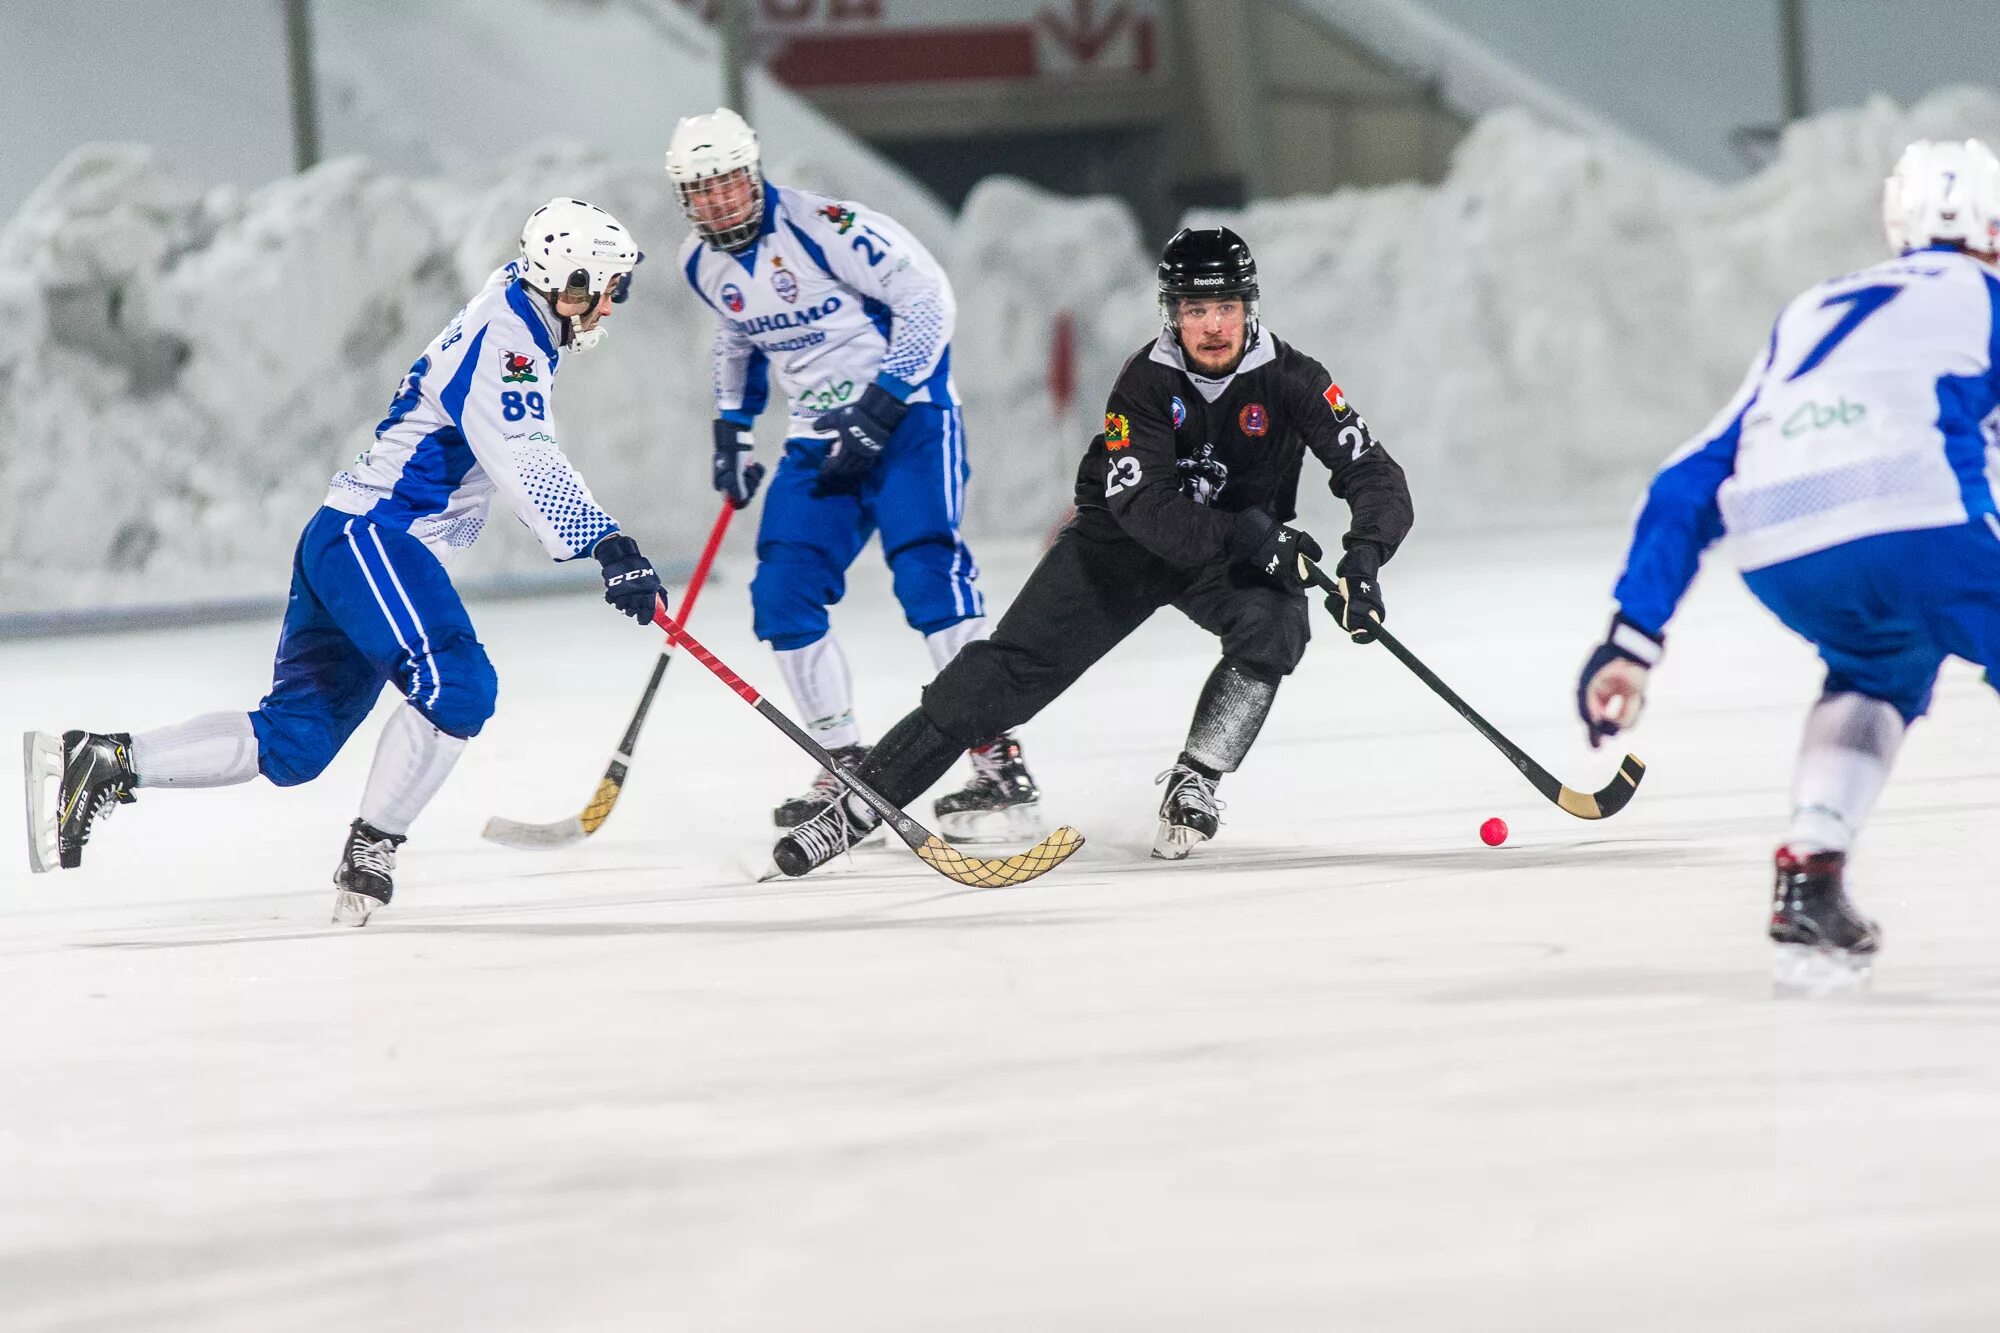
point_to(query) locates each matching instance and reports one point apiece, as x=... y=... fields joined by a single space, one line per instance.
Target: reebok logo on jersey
x=1117 y=431
x=518 y=369
x=1335 y=399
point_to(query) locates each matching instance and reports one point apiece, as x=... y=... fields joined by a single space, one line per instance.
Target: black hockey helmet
x=1207 y=262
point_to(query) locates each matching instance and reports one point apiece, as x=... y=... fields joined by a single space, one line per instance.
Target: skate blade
x=42 y=767
x=1015 y=823
x=353 y=909
x=1174 y=841
x=1805 y=971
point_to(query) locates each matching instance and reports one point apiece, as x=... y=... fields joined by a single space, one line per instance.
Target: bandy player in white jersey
x=853 y=319
x=371 y=601
x=1850 y=477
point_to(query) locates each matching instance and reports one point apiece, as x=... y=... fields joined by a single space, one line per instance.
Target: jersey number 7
x=1861 y=303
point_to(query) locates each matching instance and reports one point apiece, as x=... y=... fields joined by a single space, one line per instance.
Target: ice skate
x=831 y=830
x=1000 y=804
x=72 y=782
x=1823 y=945
x=1189 y=813
x=364 y=881
x=826 y=787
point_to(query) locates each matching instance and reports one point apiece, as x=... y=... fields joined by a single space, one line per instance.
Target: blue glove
x=734 y=480
x=1612 y=688
x=629 y=581
x=861 y=432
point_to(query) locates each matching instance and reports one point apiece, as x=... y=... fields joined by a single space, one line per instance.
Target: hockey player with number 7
x=1186 y=500
x=853 y=318
x=1849 y=476
x=371 y=600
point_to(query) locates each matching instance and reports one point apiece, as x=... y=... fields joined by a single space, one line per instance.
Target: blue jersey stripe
x=538 y=329
x=439 y=463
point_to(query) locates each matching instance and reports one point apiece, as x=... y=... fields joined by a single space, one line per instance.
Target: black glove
x=1361 y=594
x=1612 y=689
x=629 y=581
x=1272 y=549
x=734 y=480
x=861 y=432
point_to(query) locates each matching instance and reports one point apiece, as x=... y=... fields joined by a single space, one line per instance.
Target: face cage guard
x=731 y=238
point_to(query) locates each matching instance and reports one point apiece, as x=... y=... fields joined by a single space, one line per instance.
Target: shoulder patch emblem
x=1117 y=431
x=517 y=369
x=732 y=296
x=1252 y=419
x=1335 y=399
x=841 y=216
x=1180 y=411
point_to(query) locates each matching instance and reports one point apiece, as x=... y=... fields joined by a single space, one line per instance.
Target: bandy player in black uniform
x=1184 y=500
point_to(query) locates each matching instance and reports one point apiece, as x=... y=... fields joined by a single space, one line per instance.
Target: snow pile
x=180 y=372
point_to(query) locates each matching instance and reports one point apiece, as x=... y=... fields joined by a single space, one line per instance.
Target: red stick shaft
x=706 y=658
x=701 y=566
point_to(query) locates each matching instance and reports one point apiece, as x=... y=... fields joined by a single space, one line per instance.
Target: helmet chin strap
x=575 y=338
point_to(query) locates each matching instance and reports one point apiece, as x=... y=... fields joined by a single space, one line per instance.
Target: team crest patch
x=841 y=216
x=1252 y=419
x=517 y=369
x=732 y=296
x=783 y=282
x=1117 y=431
x=1180 y=412
x=1335 y=399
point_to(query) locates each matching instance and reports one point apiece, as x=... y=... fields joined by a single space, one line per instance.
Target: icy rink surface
x=1348 y=1068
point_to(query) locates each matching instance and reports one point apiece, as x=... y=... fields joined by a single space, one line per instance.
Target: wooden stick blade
x=1001 y=872
x=1610 y=799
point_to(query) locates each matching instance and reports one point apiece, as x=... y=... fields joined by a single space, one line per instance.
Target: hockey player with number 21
x=371 y=600
x=1849 y=476
x=854 y=318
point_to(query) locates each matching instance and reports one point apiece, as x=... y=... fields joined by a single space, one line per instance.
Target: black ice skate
x=1823 y=944
x=1000 y=804
x=826 y=787
x=1189 y=812
x=832 y=829
x=364 y=881
x=72 y=781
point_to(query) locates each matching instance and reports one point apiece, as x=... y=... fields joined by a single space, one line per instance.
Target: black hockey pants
x=1093 y=587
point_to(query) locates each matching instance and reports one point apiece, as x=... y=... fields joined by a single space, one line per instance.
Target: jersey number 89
x=514 y=405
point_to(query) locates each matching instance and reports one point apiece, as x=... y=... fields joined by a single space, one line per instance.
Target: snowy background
x=187 y=366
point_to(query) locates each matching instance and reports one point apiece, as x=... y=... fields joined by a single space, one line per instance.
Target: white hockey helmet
x=577 y=250
x=1943 y=192
x=707 y=154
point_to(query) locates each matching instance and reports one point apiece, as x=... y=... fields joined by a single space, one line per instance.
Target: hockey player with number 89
x=1849 y=474
x=371 y=597
x=853 y=318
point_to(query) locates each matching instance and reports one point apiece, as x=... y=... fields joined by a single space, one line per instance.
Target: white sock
x=823 y=688
x=1850 y=744
x=945 y=644
x=213 y=750
x=412 y=760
